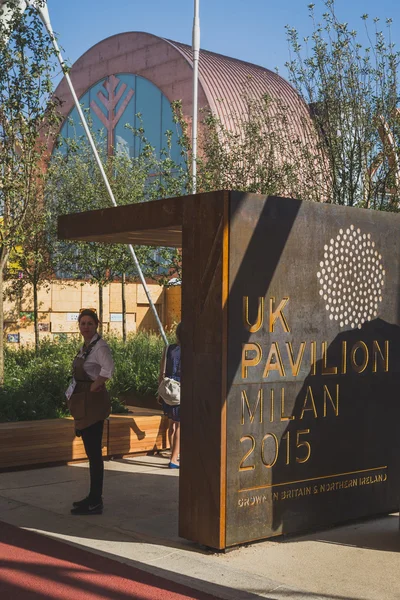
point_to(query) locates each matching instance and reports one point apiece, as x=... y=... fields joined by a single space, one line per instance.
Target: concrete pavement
x=139 y=526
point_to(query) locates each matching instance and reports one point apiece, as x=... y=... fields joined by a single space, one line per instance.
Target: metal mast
x=196 y=53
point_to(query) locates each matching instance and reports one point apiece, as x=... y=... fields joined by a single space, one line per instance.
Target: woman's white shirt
x=99 y=361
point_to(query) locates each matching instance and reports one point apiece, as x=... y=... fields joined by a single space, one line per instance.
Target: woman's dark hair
x=178 y=332
x=86 y=312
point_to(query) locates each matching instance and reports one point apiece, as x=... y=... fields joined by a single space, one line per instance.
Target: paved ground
x=36 y=567
x=139 y=527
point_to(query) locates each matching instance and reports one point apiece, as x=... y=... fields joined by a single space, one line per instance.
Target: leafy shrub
x=35 y=385
x=137 y=364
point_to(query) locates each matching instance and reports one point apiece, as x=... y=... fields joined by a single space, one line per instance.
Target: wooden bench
x=141 y=430
x=53 y=441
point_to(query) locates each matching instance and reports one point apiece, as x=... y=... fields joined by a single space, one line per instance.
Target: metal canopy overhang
x=155 y=223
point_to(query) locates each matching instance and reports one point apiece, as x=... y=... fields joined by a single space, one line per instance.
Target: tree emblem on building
x=110 y=103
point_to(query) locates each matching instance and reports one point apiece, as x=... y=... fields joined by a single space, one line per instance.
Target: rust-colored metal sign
x=313 y=366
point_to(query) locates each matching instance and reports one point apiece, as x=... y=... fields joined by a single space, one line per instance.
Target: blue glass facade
x=123 y=99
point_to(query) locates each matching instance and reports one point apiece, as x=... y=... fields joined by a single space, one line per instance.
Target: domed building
x=138 y=72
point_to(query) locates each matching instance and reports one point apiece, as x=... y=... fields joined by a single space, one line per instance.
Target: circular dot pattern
x=351 y=278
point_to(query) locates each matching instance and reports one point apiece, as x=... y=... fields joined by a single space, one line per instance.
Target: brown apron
x=85 y=406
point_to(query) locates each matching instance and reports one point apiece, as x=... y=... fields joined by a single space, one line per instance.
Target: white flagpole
x=196 y=52
x=44 y=14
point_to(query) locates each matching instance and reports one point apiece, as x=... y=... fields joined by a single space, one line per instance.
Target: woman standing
x=90 y=405
x=170 y=366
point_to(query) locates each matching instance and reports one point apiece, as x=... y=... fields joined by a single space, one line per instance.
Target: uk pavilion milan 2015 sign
x=314 y=362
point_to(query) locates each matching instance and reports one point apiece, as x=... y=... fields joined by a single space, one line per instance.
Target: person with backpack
x=169 y=379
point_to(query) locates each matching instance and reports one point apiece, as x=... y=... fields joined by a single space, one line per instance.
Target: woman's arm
x=98 y=383
x=106 y=363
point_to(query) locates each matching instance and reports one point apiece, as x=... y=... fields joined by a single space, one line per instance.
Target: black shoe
x=81 y=502
x=88 y=509
x=84 y=502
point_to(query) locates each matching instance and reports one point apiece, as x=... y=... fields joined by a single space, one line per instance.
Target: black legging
x=92 y=437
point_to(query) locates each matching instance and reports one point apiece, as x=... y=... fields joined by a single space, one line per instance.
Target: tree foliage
x=31 y=266
x=352 y=91
x=28 y=115
x=344 y=148
x=74 y=184
x=268 y=149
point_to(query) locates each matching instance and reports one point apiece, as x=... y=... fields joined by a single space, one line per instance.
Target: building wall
x=148 y=56
x=225 y=84
x=61 y=301
x=173 y=305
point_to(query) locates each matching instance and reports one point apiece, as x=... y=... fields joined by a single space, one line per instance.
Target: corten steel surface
x=313 y=399
x=156 y=223
x=290 y=358
x=204 y=319
x=203 y=220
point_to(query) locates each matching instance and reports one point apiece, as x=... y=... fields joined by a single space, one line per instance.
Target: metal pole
x=196 y=52
x=44 y=14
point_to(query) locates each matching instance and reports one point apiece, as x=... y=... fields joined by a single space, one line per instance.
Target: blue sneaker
x=173 y=466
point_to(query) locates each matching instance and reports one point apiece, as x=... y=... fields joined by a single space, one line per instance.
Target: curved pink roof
x=226 y=80
x=168 y=64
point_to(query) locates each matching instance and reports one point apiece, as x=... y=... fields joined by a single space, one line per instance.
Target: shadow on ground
x=37 y=568
x=139 y=527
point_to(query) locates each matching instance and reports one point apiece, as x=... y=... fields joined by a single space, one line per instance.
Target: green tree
x=28 y=113
x=31 y=266
x=262 y=151
x=352 y=92
x=346 y=149
x=74 y=184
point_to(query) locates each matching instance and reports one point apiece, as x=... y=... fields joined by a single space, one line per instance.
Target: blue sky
x=252 y=30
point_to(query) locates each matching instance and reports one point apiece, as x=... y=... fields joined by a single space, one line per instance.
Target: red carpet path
x=34 y=567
